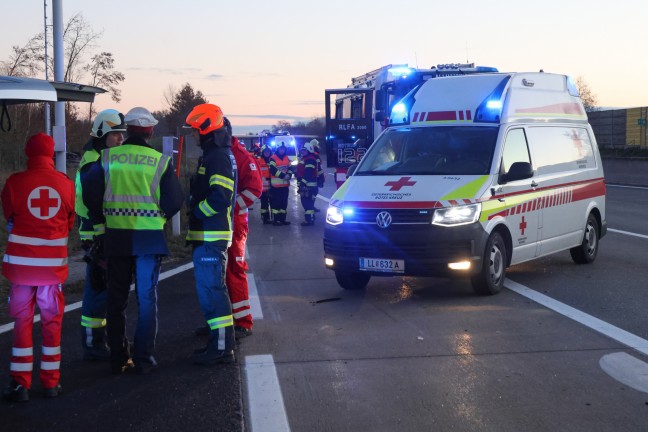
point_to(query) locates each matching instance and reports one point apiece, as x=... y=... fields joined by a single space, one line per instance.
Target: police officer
x=210 y=230
x=139 y=191
x=107 y=132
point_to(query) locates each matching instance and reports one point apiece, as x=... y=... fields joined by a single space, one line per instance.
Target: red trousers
x=22 y=302
x=236 y=276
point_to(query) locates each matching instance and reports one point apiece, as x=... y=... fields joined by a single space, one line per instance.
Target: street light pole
x=59 y=110
x=47 y=107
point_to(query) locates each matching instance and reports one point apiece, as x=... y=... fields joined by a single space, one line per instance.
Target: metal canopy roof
x=19 y=90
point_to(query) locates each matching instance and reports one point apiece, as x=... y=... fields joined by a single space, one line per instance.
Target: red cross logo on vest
x=397 y=185
x=44 y=202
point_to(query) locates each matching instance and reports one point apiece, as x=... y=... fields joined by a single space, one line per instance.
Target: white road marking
x=628 y=233
x=626 y=187
x=255 y=304
x=267 y=411
x=626 y=369
x=613 y=332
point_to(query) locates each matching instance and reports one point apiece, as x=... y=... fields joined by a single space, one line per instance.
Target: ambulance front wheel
x=352 y=280
x=490 y=279
x=586 y=252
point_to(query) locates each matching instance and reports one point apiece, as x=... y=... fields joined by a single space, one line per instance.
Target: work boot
x=145 y=366
x=15 y=392
x=242 y=332
x=267 y=221
x=212 y=357
x=53 y=391
x=96 y=353
x=202 y=330
x=94 y=345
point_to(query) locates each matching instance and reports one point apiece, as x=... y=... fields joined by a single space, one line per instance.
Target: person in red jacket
x=38 y=204
x=248 y=190
x=263 y=159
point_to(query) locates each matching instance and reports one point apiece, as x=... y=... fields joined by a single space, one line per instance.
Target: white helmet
x=141 y=117
x=106 y=121
x=309 y=147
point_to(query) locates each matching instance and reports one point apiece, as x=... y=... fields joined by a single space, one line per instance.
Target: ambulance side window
x=516 y=149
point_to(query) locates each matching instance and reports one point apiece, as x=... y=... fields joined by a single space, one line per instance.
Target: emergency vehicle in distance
x=274 y=140
x=360 y=112
x=474 y=174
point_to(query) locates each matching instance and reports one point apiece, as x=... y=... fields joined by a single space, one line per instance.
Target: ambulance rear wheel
x=352 y=280
x=586 y=252
x=490 y=279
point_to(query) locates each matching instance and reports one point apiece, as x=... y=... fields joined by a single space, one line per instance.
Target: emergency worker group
x=123 y=194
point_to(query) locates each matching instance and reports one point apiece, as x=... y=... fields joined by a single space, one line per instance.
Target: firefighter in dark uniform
x=107 y=132
x=307 y=173
x=213 y=192
x=280 y=176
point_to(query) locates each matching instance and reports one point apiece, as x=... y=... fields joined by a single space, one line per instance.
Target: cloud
x=168 y=71
x=311 y=102
x=214 y=76
x=269 y=116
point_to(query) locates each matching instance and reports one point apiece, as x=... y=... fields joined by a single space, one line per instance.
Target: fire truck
x=355 y=115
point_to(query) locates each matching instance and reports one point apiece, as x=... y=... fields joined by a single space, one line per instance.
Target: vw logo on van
x=383 y=219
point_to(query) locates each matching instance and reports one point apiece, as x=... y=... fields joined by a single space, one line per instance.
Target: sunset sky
x=264 y=61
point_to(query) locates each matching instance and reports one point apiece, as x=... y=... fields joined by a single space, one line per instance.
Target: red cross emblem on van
x=397 y=185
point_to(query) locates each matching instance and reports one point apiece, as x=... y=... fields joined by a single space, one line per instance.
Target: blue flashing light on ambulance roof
x=399 y=108
x=572 y=88
x=494 y=104
x=402 y=71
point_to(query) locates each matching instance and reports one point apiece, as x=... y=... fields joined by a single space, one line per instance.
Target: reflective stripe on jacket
x=278 y=169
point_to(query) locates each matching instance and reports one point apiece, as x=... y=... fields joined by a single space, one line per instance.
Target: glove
x=288 y=176
x=96 y=253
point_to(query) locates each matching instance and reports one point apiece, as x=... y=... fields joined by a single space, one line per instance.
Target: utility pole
x=60 y=146
x=47 y=107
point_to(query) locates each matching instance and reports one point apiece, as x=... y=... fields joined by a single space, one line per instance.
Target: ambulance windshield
x=441 y=150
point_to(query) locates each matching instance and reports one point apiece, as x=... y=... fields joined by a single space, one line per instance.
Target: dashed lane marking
x=626 y=369
x=255 y=303
x=267 y=411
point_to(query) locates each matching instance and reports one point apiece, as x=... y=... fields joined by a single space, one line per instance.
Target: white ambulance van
x=474 y=174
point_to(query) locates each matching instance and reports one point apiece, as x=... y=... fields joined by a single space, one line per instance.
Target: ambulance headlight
x=334 y=215
x=457 y=215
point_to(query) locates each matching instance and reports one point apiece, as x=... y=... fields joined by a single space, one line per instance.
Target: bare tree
x=26 y=60
x=102 y=74
x=587 y=96
x=78 y=38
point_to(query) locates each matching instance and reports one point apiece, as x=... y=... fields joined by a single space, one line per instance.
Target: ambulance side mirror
x=351 y=170
x=379 y=116
x=518 y=171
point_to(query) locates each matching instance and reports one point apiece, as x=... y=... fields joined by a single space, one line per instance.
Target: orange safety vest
x=281 y=166
x=265 y=173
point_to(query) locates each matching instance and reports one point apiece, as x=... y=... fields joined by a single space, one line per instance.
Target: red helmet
x=206 y=118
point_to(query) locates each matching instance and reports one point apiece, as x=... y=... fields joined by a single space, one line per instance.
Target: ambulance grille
x=399 y=216
x=408 y=251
